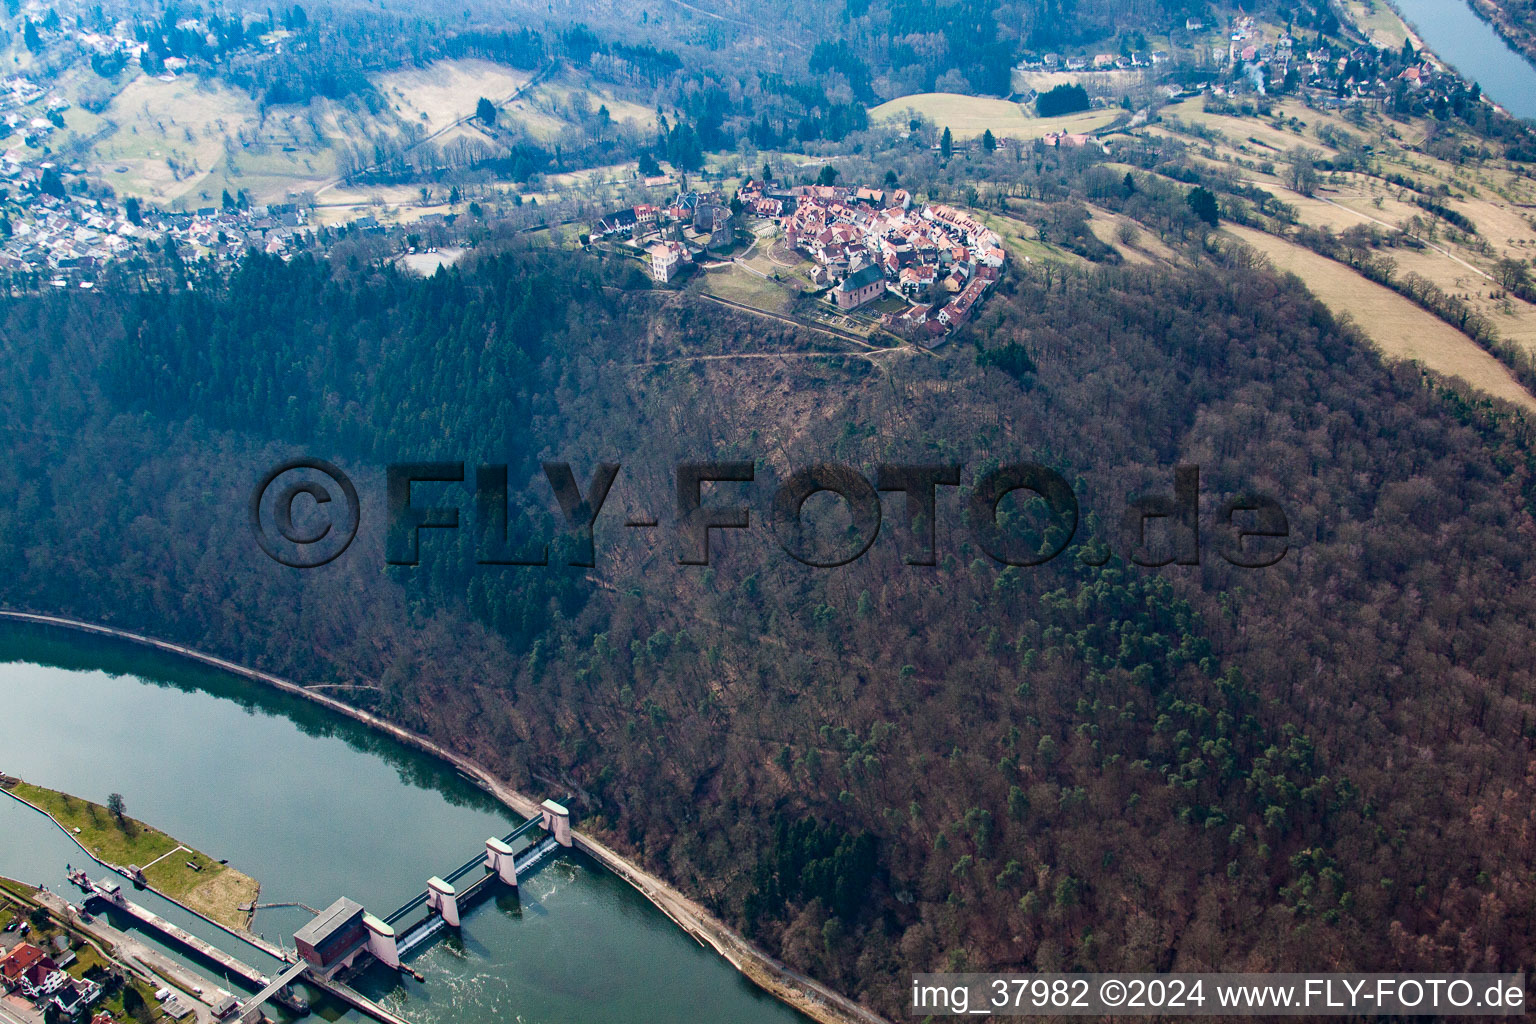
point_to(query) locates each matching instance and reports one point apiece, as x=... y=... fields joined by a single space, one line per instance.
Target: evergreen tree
x=1064 y=99
x=51 y=184
x=1203 y=202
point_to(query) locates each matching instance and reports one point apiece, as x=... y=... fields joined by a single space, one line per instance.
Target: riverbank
x=176 y=871
x=1478 y=44
x=804 y=994
x=1519 y=38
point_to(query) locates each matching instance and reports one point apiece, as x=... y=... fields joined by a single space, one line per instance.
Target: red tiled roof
x=19 y=960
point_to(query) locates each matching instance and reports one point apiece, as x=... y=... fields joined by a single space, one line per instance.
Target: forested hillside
x=883 y=767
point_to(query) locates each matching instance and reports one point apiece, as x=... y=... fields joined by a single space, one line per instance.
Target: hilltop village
x=872 y=241
x=864 y=244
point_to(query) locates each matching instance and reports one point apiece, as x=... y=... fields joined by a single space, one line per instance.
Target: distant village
x=63 y=237
x=1248 y=57
x=66 y=238
x=59 y=236
x=1262 y=65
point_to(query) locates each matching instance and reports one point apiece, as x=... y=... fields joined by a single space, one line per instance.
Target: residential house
x=667 y=258
x=617 y=222
x=42 y=979
x=75 y=996
x=18 y=961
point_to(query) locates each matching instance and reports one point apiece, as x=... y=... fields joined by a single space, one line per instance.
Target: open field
x=182 y=143
x=444 y=91
x=1514 y=320
x=1096 y=83
x=1271 y=141
x=1022 y=240
x=1399 y=329
x=1377 y=19
x=211 y=888
x=566 y=101
x=536 y=122
x=771 y=257
x=170 y=135
x=1457 y=269
x=1499 y=203
x=968 y=116
x=427 y=263
x=741 y=285
x=267 y=174
x=1144 y=248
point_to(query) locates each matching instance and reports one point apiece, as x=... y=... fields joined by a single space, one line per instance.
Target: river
x=316 y=806
x=1454 y=32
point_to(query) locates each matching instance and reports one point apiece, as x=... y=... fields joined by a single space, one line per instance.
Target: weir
x=434 y=897
x=420 y=899
x=342 y=933
x=470 y=895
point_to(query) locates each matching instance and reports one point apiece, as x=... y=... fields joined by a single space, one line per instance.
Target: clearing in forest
x=447 y=91
x=969 y=116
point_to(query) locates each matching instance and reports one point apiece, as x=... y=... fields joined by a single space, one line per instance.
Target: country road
x=738 y=21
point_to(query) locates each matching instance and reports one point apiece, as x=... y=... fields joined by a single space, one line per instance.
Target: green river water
x=316 y=806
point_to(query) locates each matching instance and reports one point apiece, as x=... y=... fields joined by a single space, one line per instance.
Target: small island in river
x=144 y=853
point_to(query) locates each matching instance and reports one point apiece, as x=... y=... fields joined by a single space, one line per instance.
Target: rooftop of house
x=18 y=960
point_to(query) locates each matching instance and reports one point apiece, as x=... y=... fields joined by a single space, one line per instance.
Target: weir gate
x=345 y=932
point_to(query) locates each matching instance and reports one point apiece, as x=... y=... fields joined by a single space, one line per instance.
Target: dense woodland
x=1325 y=764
